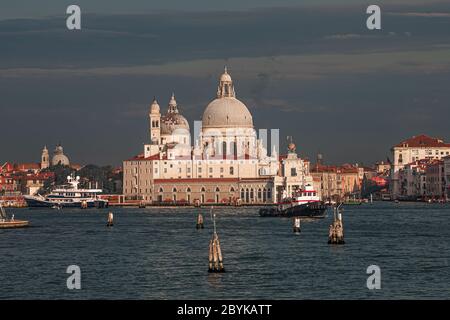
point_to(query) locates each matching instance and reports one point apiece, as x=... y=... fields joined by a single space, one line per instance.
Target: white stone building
x=227 y=164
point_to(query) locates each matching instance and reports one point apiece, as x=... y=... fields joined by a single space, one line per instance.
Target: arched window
x=231 y=189
x=231 y=171
x=251 y=194
x=247 y=195
x=264 y=194
x=224 y=149
x=188 y=189
x=161 y=190
x=203 y=189
x=174 y=190
x=217 y=189
x=259 y=194
x=242 y=194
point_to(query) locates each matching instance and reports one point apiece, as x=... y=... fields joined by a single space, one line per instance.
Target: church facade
x=226 y=164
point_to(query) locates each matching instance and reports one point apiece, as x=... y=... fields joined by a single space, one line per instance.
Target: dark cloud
x=316 y=74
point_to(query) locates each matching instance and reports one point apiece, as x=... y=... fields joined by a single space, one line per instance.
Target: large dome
x=226 y=111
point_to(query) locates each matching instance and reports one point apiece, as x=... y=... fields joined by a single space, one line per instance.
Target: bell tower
x=155 y=122
x=45 y=161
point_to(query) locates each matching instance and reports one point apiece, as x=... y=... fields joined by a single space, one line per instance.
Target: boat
x=354 y=201
x=10 y=223
x=68 y=196
x=303 y=203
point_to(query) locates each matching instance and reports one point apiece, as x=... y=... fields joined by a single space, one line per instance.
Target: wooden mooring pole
x=336 y=229
x=296 y=225
x=199 y=221
x=215 y=252
x=110 y=221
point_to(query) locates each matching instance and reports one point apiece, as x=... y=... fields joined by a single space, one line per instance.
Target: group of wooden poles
x=335 y=231
x=335 y=236
x=215 y=252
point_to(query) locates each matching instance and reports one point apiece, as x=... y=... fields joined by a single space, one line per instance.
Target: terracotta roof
x=27 y=166
x=423 y=141
x=141 y=157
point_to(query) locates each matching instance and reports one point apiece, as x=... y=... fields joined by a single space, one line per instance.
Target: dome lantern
x=225 y=88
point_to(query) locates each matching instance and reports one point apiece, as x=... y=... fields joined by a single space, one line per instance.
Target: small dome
x=60 y=159
x=227 y=112
x=172 y=122
x=154 y=108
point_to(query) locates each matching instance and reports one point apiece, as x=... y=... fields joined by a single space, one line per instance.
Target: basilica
x=225 y=163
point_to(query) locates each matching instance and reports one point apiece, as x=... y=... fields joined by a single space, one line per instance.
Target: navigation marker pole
x=215 y=252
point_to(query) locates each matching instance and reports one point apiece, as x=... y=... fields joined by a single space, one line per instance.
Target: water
x=156 y=253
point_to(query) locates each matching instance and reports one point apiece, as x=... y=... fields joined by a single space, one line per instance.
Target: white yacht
x=68 y=195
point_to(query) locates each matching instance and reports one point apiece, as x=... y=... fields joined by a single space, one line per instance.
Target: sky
x=310 y=68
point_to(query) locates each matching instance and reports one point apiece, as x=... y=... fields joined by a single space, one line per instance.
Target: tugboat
x=303 y=203
x=68 y=196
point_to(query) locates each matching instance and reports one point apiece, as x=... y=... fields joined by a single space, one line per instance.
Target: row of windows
x=188 y=170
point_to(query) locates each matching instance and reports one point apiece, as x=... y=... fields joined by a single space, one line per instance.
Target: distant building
x=447 y=176
x=435 y=179
x=411 y=150
x=383 y=167
x=227 y=164
x=412 y=180
x=337 y=182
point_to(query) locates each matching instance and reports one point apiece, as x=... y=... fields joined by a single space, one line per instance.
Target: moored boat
x=10 y=223
x=68 y=196
x=303 y=203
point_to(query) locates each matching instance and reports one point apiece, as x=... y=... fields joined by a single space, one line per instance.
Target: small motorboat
x=10 y=223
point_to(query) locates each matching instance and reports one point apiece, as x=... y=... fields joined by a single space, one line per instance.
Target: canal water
x=157 y=253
